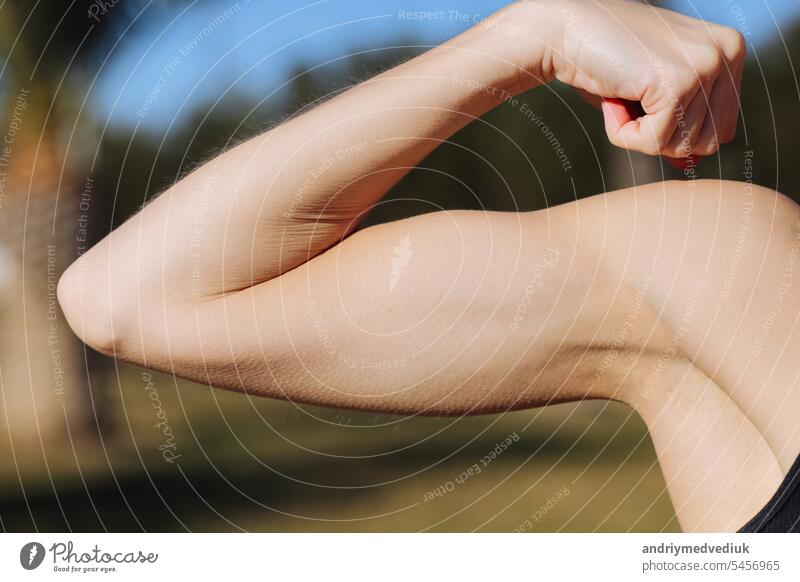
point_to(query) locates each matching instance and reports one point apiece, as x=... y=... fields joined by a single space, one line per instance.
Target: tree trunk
x=44 y=388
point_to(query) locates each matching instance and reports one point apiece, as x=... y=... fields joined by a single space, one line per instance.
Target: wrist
x=529 y=33
x=510 y=49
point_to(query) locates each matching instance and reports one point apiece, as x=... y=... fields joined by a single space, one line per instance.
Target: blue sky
x=183 y=60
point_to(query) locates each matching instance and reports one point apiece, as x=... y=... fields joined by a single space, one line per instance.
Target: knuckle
x=687 y=83
x=683 y=149
x=654 y=146
x=709 y=61
x=650 y=148
x=685 y=141
x=732 y=43
x=616 y=140
x=729 y=135
x=706 y=149
x=664 y=137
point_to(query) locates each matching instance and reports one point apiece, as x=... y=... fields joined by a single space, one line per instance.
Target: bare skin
x=246 y=274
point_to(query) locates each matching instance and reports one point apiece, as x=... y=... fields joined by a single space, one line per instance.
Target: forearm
x=271 y=203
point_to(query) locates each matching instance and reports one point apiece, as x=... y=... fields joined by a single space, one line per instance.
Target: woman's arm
x=272 y=203
x=281 y=198
x=231 y=277
x=191 y=284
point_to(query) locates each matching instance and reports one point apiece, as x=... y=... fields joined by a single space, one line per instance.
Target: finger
x=689 y=124
x=621 y=111
x=647 y=134
x=720 y=123
x=737 y=84
x=724 y=102
x=734 y=48
x=733 y=112
x=618 y=112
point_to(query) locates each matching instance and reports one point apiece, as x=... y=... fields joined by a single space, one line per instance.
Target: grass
x=260 y=465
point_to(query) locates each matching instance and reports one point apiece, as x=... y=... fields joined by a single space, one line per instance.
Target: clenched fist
x=668 y=84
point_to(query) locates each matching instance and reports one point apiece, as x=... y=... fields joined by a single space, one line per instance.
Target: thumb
x=620 y=112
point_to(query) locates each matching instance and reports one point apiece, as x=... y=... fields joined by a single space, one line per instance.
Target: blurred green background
x=107 y=104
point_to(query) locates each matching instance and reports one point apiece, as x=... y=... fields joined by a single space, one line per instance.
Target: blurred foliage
x=260 y=465
x=502 y=162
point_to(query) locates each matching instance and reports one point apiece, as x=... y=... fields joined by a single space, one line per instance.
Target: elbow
x=85 y=301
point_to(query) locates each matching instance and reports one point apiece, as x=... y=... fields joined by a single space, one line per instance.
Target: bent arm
x=225 y=267
x=279 y=199
x=231 y=277
x=272 y=203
